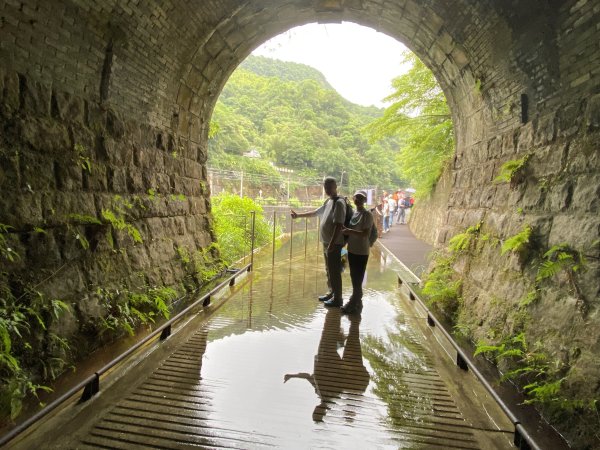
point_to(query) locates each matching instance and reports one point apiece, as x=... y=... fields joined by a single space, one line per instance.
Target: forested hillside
x=292 y=117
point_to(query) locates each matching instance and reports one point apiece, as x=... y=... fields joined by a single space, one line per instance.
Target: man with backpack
x=333 y=217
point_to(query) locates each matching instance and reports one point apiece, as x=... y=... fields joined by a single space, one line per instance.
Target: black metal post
x=166 y=332
x=252 y=240
x=91 y=389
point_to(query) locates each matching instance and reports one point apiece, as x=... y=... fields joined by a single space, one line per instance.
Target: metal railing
x=522 y=439
x=91 y=385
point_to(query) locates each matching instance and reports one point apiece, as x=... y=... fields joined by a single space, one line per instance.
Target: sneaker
x=333 y=303
x=325 y=297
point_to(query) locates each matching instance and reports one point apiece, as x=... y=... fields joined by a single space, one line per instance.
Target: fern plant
x=116 y=218
x=558 y=258
x=519 y=242
x=26 y=347
x=540 y=379
x=83 y=159
x=511 y=170
x=126 y=310
x=462 y=241
x=441 y=287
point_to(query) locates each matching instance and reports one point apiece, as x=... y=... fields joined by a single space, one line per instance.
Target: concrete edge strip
x=404 y=267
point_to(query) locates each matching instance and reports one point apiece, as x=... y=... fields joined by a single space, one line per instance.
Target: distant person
x=386 y=214
x=359 y=248
x=404 y=205
x=393 y=206
x=332 y=214
x=398 y=197
x=377 y=212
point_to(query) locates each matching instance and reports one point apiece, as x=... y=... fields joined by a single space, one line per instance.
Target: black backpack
x=373 y=234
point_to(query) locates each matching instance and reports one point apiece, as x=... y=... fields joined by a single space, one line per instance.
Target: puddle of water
x=272 y=367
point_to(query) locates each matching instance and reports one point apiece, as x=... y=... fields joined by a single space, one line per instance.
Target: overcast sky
x=357 y=61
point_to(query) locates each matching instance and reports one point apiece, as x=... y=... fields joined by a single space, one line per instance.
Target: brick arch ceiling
x=463 y=42
x=164 y=62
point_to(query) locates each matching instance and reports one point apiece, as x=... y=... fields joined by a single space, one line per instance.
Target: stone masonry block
x=21 y=210
x=44 y=135
x=586 y=194
x=584 y=154
x=184 y=96
x=37 y=173
x=579 y=232
x=544 y=130
x=533 y=197
x=497 y=222
x=215 y=45
x=118 y=154
x=9 y=171
x=135 y=183
x=96 y=118
x=568 y=120
x=197 y=205
x=115 y=125
x=68 y=107
x=58 y=207
x=192 y=169
x=2 y=76
x=547 y=161
x=36 y=97
x=117 y=180
x=525 y=138
x=96 y=180
x=508 y=143
x=11 y=101
x=559 y=196
x=592 y=113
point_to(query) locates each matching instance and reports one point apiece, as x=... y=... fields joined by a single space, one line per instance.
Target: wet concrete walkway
x=402 y=243
x=268 y=366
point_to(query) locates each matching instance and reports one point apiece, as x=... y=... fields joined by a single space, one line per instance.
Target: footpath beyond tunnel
x=267 y=366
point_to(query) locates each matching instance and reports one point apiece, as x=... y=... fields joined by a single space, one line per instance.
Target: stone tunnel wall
x=103 y=189
x=557 y=194
x=71 y=170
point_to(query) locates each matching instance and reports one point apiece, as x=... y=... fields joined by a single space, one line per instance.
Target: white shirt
x=328 y=220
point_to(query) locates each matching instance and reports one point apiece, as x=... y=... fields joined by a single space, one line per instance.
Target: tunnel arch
x=134 y=83
x=419 y=27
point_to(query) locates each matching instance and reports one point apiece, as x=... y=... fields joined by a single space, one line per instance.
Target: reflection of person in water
x=334 y=375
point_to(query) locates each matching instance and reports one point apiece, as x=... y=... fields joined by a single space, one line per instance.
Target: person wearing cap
x=332 y=214
x=358 y=250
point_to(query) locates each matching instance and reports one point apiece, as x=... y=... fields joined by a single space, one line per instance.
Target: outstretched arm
x=295 y=214
x=303 y=375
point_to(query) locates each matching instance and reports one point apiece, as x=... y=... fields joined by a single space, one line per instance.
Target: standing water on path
x=269 y=366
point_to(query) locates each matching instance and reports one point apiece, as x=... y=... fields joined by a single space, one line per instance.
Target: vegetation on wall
x=29 y=345
x=512 y=171
x=543 y=376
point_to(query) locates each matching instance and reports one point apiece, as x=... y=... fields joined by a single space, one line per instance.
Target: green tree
x=419 y=117
x=232 y=216
x=291 y=115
